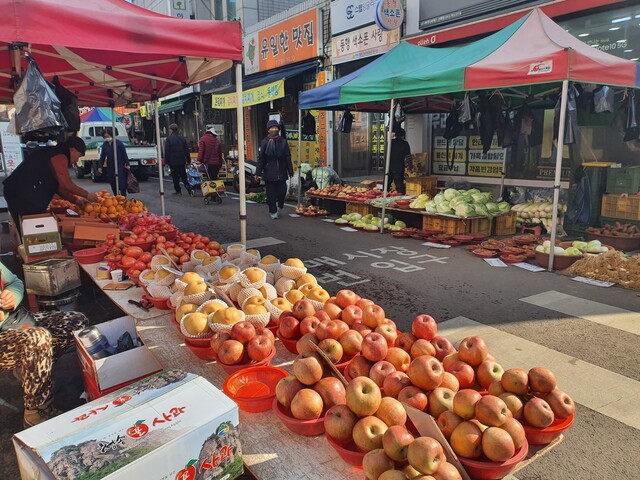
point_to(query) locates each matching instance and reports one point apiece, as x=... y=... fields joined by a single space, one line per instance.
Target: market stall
x=524 y=61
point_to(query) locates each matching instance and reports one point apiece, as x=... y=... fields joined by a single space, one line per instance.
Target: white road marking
x=606 y=392
x=263 y=242
x=601 y=313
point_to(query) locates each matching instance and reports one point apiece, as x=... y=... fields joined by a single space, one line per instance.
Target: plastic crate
x=621 y=207
x=505 y=224
x=361 y=208
x=418 y=185
x=623 y=180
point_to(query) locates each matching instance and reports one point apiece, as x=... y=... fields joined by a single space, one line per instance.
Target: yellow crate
x=418 y=185
x=505 y=224
x=361 y=208
x=623 y=207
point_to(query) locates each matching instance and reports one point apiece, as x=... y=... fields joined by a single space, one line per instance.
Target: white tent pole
x=114 y=135
x=156 y=117
x=556 y=182
x=299 y=155
x=241 y=172
x=386 y=164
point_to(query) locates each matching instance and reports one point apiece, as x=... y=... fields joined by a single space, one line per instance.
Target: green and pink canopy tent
x=531 y=57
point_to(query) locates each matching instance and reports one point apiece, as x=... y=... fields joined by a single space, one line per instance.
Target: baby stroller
x=196 y=174
x=212 y=190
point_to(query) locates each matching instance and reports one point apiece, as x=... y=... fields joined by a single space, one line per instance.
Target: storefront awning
x=172 y=105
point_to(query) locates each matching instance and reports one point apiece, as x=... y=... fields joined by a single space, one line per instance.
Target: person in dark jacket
x=107 y=161
x=400 y=150
x=176 y=155
x=274 y=165
x=210 y=153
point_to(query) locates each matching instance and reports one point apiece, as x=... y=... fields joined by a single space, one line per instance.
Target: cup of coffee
x=116 y=275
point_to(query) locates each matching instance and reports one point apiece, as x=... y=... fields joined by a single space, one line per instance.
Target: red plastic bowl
x=145 y=246
x=170 y=306
x=170 y=235
x=254 y=388
x=230 y=369
x=204 y=352
x=288 y=343
x=350 y=454
x=159 y=303
x=308 y=428
x=487 y=470
x=90 y=255
x=544 y=436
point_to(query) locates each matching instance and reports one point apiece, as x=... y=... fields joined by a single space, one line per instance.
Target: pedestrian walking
x=107 y=162
x=176 y=155
x=210 y=153
x=274 y=165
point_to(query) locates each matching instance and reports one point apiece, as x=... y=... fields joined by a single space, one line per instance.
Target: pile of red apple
x=243 y=344
x=135 y=222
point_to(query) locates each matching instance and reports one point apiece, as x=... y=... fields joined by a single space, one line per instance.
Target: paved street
x=587 y=335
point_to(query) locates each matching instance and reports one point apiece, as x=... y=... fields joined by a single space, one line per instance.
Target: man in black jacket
x=176 y=155
x=400 y=150
x=274 y=165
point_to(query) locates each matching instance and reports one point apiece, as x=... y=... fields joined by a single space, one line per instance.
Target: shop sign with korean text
x=348 y=15
x=253 y=96
x=389 y=14
x=362 y=43
x=288 y=42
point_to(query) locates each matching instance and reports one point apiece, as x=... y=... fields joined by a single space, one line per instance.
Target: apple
x=515 y=380
x=424 y=326
x=405 y=340
x=286 y=389
x=516 y=430
x=363 y=396
x=414 y=397
x=375 y=463
x=447 y=471
x=328 y=329
x=389 y=332
x=259 y=347
x=396 y=441
x=487 y=372
x=332 y=349
x=399 y=358
x=302 y=308
x=308 y=368
x=495 y=388
x=243 y=332
x=373 y=315
x=309 y=325
x=491 y=411
x=339 y=422
x=332 y=391
x=344 y=298
x=351 y=342
x=443 y=347
x=282 y=303
x=422 y=347
x=561 y=403
x=304 y=343
x=425 y=454
x=307 y=405
x=466 y=440
x=374 y=347
x=497 y=444
x=541 y=380
x=332 y=310
x=426 y=372
x=388 y=321
x=473 y=350
x=464 y=403
x=380 y=370
x=450 y=381
x=217 y=339
x=394 y=382
x=351 y=315
x=514 y=404
x=538 y=413
x=449 y=359
x=289 y=327
x=363 y=302
x=463 y=372
x=392 y=475
x=358 y=367
x=230 y=352
x=322 y=315
x=440 y=400
x=368 y=432
x=413 y=474
x=267 y=332
x=391 y=412
x=447 y=422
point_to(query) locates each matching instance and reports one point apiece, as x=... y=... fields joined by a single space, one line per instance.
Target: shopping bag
x=37 y=106
x=132 y=183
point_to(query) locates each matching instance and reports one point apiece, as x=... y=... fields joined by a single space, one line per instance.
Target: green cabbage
x=430 y=206
x=444 y=207
x=439 y=198
x=464 y=210
x=492 y=207
x=504 y=207
x=449 y=193
x=481 y=210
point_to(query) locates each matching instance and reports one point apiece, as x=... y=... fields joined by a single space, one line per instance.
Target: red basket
x=308 y=428
x=288 y=343
x=145 y=246
x=159 y=303
x=254 y=388
x=170 y=235
x=204 y=352
x=487 y=470
x=90 y=255
x=170 y=306
x=350 y=454
x=544 y=436
x=230 y=369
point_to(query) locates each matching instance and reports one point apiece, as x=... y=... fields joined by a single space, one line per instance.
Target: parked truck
x=142 y=158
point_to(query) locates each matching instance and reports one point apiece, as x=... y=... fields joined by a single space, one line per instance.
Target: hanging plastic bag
x=399 y=115
x=571 y=121
x=132 y=183
x=69 y=105
x=464 y=110
x=345 y=122
x=37 y=106
x=603 y=99
x=631 y=130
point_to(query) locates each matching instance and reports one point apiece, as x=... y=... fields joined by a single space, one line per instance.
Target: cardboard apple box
x=40 y=234
x=171 y=425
